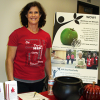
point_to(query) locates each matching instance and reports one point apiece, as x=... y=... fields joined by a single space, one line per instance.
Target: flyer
x=1 y=91
x=75 y=48
x=11 y=90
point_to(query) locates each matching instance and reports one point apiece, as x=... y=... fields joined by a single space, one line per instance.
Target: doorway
x=86 y=8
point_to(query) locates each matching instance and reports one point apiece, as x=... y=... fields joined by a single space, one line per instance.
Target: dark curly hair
x=24 y=11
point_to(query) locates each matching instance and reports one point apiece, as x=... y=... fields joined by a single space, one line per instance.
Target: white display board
x=75 y=49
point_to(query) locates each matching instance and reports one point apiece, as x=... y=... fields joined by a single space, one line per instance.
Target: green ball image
x=68 y=35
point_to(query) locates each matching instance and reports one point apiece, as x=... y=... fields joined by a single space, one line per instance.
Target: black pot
x=67 y=88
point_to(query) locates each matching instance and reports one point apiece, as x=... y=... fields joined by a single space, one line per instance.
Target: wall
x=9 y=20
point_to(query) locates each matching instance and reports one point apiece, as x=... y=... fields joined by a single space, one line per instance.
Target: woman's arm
x=11 y=51
x=48 y=62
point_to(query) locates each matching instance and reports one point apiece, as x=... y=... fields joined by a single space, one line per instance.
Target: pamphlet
x=1 y=91
x=32 y=96
x=11 y=90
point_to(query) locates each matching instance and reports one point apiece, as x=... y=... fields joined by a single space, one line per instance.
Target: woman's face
x=94 y=54
x=33 y=16
x=80 y=55
x=89 y=56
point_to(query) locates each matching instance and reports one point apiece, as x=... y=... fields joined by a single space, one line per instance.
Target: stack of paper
x=32 y=96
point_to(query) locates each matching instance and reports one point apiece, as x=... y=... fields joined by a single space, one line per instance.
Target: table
x=51 y=97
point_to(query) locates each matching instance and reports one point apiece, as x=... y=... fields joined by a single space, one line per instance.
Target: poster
x=75 y=49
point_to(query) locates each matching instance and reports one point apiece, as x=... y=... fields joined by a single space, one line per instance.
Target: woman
x=89 y=61
x=80 y=61
x=68 y=58
x=94 y=61
x=28 y=54
x=72 y=58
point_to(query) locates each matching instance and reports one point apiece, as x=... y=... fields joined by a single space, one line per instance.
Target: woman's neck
x=33 y=28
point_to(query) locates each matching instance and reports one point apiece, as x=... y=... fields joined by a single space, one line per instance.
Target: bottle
x=50 y=85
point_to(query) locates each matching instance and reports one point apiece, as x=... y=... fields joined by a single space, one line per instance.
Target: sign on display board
x=75 y=48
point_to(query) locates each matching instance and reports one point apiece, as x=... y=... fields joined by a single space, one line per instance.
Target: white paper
x=87 y=30
x=11 y=90
x=30 y=96
x=87 y=76
x=1 y=91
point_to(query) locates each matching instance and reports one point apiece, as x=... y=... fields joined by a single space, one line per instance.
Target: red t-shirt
x=68 y=57
x=72 y=56
x=29 y=61
x=89 y=62
x=96 y=59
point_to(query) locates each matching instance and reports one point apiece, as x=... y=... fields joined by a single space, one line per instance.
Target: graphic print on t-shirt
x=34 y=48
